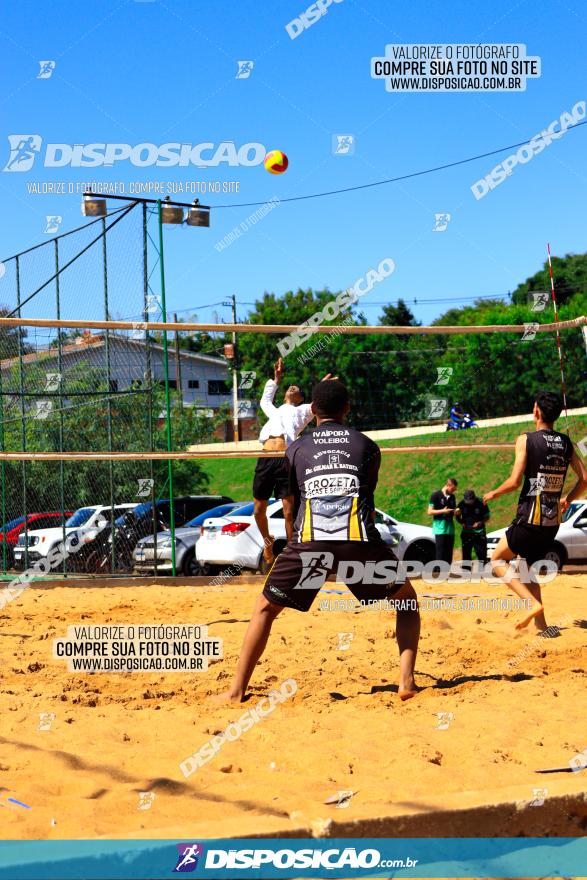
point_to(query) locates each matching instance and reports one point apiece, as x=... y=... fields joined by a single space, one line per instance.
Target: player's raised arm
x=514 y=481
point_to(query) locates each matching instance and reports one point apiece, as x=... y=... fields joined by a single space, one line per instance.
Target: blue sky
x=133 y=72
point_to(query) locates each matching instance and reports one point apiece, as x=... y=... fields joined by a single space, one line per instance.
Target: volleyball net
x=124 y=407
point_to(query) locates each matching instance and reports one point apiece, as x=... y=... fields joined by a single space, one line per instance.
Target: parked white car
x=571 y=538
x=88 y=522
x=416 y=543
x=235 y=540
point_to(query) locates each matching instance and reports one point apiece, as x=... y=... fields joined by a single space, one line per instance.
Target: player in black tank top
x=542 y=460
x=333 y=475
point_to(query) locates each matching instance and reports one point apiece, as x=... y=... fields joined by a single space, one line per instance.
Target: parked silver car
x=147 y=552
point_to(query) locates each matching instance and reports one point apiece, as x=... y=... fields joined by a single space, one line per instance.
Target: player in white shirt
x=284 y=424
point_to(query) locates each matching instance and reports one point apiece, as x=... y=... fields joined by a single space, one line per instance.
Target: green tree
x=399 y=315
x=569 y=275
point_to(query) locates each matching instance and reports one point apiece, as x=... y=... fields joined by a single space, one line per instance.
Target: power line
x=334 y=192
x=414 y=300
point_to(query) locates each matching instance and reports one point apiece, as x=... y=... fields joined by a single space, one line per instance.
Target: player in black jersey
x=333 y=473
x=542 y=459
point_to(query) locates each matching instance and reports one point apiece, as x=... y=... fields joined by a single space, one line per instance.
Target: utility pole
x=178 y=364
x=235 y=427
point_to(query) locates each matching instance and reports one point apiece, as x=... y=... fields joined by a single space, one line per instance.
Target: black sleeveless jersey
x=333 y=473
x=548 y=454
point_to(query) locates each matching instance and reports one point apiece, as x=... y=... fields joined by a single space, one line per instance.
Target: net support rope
x=337 y=329
x=193 y=454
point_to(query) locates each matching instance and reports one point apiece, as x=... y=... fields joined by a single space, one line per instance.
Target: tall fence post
x=23 y=438
x=167 y=397
x=108 y=398
x=61 y=432
x=3 y=478
x=149 y=379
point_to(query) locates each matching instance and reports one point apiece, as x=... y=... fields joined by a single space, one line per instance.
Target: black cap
x=469 y=495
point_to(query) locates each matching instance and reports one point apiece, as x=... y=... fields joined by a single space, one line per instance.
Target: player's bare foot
x=407 y=689
x=227 y=697
x=537 y=610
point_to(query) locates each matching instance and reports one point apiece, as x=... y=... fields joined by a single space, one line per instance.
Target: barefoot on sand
x=538 y=609
x=225 y=697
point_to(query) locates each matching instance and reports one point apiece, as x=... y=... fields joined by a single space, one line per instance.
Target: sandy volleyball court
x=117 y=735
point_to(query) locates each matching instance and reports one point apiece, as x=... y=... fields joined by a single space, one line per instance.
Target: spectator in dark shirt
x=472 y=514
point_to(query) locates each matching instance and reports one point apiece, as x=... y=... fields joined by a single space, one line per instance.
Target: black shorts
x=531 y=542
x=301 y=570
x=271 y=479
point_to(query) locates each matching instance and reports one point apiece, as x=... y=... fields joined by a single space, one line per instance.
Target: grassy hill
x=406 y=480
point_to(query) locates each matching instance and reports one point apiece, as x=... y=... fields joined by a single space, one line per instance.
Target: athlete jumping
x=542 y=460
x=284 y=424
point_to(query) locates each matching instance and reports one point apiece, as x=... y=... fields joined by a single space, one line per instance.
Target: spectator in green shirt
x=441 y=508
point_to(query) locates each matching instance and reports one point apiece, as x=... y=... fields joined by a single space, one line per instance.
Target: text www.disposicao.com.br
x=135 y=664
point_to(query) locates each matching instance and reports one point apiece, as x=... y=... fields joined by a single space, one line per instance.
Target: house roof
x=97 y=340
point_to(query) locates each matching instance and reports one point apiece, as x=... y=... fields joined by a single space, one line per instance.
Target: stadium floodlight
x=198 y=215
x=170 y=213
x=93 y=206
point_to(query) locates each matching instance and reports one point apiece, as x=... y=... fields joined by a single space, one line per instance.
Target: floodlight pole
x=167 y=396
